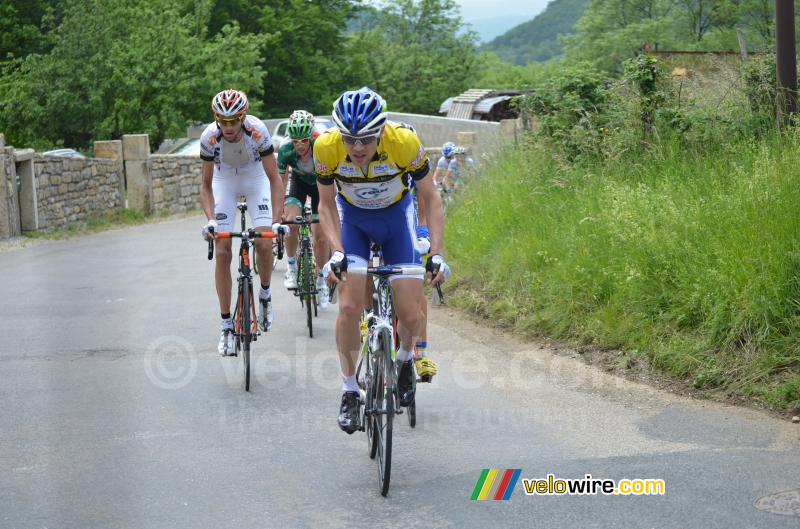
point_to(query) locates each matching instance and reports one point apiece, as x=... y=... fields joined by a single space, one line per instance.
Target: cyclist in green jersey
x=296 y=153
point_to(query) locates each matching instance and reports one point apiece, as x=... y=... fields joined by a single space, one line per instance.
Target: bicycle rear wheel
x=246 y=329
x=384 y=409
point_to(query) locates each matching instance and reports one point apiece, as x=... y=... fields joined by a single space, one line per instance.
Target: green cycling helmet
x=301 y=125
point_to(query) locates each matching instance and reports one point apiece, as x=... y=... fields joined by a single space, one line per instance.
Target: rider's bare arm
x=206 y=193
x=329 y=216
x=431 y=204
x=276 y=185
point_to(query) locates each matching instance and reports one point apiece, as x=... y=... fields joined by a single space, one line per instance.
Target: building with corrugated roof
x=481 y=104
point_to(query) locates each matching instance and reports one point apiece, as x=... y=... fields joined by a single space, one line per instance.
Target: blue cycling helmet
x=448 y=149
x=359 y=112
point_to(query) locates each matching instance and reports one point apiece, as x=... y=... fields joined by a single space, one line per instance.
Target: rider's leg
x=321 y=252
x=222 y=274
x=292 y=207
x=348 y=340
x=292 y=210
x=259 y=206
x=406 y=305
x=406 y=294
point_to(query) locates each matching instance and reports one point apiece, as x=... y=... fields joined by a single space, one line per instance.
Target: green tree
x=118 y=68
x=304 y=65
x=417 y=56
x=611 y=31
x=23 y=26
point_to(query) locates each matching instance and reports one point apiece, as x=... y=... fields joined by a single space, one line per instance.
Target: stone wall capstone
x=9 y=199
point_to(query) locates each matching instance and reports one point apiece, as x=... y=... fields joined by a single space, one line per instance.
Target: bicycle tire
x=300 y=275
x=385 y=415
x=368 y=384
x=246 y=329
x=308 y=296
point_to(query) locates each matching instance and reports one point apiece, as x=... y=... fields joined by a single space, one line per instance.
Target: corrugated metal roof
x=474 y=94
x=446 y=105
x=460 y=110
x=484 y=106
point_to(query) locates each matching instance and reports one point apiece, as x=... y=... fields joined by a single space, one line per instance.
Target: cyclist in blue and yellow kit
x=370 y=159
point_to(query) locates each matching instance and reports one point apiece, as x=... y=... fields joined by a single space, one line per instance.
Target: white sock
x=265 y=294
x=403 y=355
x=290 y=261
x=226 y=323
x=349 y=383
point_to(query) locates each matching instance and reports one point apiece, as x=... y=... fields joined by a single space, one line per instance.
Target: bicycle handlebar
x=301 y=222
x=387 y=270
x=249 y=234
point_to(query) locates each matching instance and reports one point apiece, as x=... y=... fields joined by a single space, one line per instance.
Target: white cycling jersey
x=243 y=156
x=238 y=171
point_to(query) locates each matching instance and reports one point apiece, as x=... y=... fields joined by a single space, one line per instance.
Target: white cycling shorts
x=254 y=186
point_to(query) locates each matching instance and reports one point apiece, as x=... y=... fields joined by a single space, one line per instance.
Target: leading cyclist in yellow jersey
x=370 y=160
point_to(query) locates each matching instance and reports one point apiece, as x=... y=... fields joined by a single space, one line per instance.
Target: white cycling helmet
x=229 y=104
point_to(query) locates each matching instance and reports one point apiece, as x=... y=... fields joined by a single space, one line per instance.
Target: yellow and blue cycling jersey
x=382 y=184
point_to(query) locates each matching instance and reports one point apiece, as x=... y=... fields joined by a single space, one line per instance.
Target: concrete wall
x=75 y=189
x=433 y=131
x=175 y=181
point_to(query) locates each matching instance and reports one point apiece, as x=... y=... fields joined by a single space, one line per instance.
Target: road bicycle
x=245 y=326
x=306 y=288
x=376 y=371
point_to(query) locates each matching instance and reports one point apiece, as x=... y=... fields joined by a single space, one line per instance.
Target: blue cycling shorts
x=394 y=228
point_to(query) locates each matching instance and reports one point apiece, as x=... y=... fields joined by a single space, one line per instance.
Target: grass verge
x=689 y=261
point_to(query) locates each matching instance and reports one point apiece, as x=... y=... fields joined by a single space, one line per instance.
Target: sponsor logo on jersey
x=420 y=157
x=348 y=170
x=253 y=132
x=367 y=193
x=263 y=207
x=382 y=169
x=321 y=167
x=221 y=216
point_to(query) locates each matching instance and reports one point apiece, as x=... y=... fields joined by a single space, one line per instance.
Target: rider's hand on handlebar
x=437 y=270
x=279 y=228
x=209 y=228
x=335 y=269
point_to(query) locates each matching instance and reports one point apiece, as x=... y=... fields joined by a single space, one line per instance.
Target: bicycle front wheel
x=307 y=294
x=246 y=329
x=384 y=409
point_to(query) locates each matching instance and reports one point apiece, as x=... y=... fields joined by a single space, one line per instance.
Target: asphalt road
x=117 y=412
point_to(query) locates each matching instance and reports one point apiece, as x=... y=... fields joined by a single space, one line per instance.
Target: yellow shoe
x=426 y=368
x=362 y=327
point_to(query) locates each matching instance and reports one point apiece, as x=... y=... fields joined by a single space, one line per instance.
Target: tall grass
x=691 y=259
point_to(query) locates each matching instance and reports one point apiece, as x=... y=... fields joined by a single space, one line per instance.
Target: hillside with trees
x=538 y=39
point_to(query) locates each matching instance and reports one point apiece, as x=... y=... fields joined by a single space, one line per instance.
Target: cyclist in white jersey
x=237 y=154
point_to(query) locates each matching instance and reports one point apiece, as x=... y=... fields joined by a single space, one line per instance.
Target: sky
x=491 y=18
x=477 y=9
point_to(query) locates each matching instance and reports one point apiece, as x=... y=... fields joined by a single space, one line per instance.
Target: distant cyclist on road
x=238 y=159
x=451 y=164
x=295 y=156
x=370 y=159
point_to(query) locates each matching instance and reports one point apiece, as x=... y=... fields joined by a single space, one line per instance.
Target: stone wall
x=75 y=189
x=175 y=181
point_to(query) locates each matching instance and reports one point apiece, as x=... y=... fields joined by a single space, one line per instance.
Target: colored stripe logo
x=496 y=484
